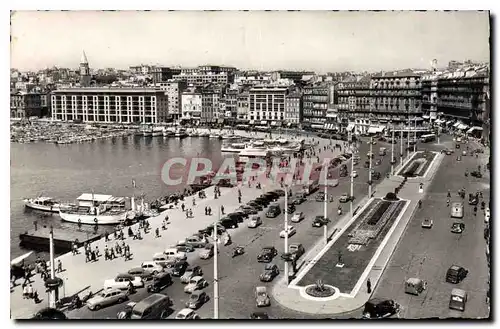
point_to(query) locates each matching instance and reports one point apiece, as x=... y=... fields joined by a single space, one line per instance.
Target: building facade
x=162 y=74
x=109 y=105
x=267 y=103
x=25 y=104
x=231 y=101
x=191 y=102
x=315 y=104
x=293 y=108
x=210 y=105
x=354 y=105
x=203 y=78
x=173 y=90
x=85 y=77
x=243 y=105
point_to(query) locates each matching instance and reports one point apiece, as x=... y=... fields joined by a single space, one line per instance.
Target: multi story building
x=173 y=89
x=206 y=74
x=85 y=77
x=25 y=104
x=243 y=105
x=354 y=104
x=191 y=104
x=395 y=99
x=293 y=108
x=162 y=74
x=315 y=104
x=109 y=105
x=295 y=76
x=210 y=106
x=231 y=101
x=267 y=104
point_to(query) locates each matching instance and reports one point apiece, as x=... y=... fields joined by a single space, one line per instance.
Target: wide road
x=428 y=253
x=239 y=276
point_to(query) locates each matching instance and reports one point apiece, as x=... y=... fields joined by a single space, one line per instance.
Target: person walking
x=369 y=286
x=59 y=266
x=157 y=231
x=222 y=209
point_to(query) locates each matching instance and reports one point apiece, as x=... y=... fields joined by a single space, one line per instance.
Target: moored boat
x=181 y=133
x=95 y=209
x=42 y=203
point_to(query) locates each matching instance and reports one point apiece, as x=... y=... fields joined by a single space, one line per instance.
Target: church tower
x=84 y=71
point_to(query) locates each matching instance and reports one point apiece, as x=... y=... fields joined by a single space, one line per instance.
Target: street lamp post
x=352 y=179
x=408 y=136
x=286 y=235
x=370 y=169
x=415 y=140
x=216 y=274
x=392 y=150
x=325 y=227
x=52 y=295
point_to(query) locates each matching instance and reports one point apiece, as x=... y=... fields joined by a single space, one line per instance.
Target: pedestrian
x=73 y=248
x=447 y=202
x=97 y=251
x=164 y=226
x=30 y=291
x=59 y=266
x=222 y=209
x=157 y=231
x=239 y=199
x=369 y=286
x=206 y=210
x=449 y=193
x=35 y=297
x=183 y=207
x=194 y=202
x=87 y=256
x=25 y=291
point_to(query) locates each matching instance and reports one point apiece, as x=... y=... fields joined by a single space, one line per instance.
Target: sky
x=322 y=41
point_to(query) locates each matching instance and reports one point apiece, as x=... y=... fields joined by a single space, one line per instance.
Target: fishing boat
x=157 y=132
x=95 y=209
x=233 y=147
x=147 y=133
x=181 y=133
x=204 y=134
x=215 y=136
x=42 y=203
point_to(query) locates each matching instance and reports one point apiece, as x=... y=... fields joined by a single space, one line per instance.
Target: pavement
x=79 y=276
x=428 y=253
x=238 y=276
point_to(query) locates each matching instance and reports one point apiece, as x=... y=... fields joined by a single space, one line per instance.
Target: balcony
x=466 y=106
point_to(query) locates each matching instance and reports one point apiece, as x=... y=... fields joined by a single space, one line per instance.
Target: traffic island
x=418 y=165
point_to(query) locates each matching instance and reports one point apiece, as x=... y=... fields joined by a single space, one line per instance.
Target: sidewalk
x=295 y=298
x=80 y=277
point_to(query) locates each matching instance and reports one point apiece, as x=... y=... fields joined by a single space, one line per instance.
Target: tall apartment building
x=210 y=106
x=162 y=74
x=110 y=105
x=231 y=101
x=266 y=104
x=315 y=104
x=191 y=104
x=206 y=74
x=293 y=108
x=354 y=104
x=243 y=105
x=173 y=89
x=395 y=99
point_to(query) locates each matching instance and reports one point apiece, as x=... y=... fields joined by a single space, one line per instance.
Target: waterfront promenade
x=294 y=297
x=80 y=277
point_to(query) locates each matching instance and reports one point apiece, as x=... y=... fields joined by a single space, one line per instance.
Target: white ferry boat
x=42 y=203
x=233 y=147
x=168 y=132
x=95 y=209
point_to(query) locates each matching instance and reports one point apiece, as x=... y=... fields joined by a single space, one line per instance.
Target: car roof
x=197 y=278
x=268 y=247
x=137 y=269
x=261 y=289
x=295 y=245
x=111 y=290
x=455 y=267
x=413 y=281
x=458 y=292
x=123 y=275
x=269 y=265
x=185 y=311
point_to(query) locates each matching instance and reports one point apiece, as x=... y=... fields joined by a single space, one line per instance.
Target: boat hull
x=38 y=207
x=89 y=219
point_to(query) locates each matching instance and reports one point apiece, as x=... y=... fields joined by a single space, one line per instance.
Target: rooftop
x=108 y=90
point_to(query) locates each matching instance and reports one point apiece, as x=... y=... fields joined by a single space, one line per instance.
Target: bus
x=428 y=138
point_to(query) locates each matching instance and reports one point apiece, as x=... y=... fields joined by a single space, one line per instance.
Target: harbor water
x=103 y=166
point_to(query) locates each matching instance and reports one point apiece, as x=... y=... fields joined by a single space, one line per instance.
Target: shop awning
x=263 y=122
x=439 y=121
x=289 y=124
x=373 y=130
x=473 y=128
x=425 y=116
x=316 y=126
x=221 y=120
x=273 y=123
x=449 y=122
x=380 y=129
x=252 y=122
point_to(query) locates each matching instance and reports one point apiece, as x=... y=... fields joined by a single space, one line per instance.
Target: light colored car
x=122 y=282
x=254 y=222
x=190 y=273
x=196 y=241
x=152 y=267
x=261 y=297
x=187 y=314
x=175 y=254
x=106 y=298
x=291 y=231
x=207 y=252
x=427 y=223
x=344 y=198
x=354 y=173
x=196 y=283
x=297 y=217
x=487 y=215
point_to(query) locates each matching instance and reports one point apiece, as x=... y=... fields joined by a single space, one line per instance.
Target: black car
x=457 y=146
x=367 y=164
x=197 y=299
x=473 y=200
x=456 y=274
x=476 y=174
x=378 y=308
x=238 y=215
x=299 y=198
x=273 y=196
x=267 y=254
x=270 y=272
x=273 y=212
x=145 y=275
x=210 y=228
x=376 y=175
x=291 y=208
x=160 y=282
x=320 y=221
x=248 y=210
x=255 y=205
x=49 y=314
x=320 y=197
x=259 y=316
x=229 y=222
x=179 y=268
x=279 y=192
x=262 y=201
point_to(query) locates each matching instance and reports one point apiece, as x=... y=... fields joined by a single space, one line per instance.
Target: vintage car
x=297 y=217
x=320 y=220
x=270 y=272
x=427 y=223
x=190 y=273
x=187 y=314
x=196 y=283
x=261 y=297
x=378 y=308
x=121 y=281
x=197 y=299
x=106 y=298
x=267 y=254
x=289 y=232
x=457 y=227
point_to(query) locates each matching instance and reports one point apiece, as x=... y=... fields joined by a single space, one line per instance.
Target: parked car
x=255 y=205
x=378 y=308
x=319 y=221
x=272 y=195
x=378 y=162
x=160 y=282
x=376 y=175
x=259 y=316
x=456 y=274
x=289 y=232
x=270 y=272
x=196 y=241
x=126 y=313
x=144 y=274
x=249 y=210
x=354 y=173
x=299 y=198
x=320 y=196
x=476 y=174
x=297 y=217
x=207 y=252
x=228 y=222
x=197 y=299
x=254 y=222
x=274 y=211
x=261 y=297
x=344 y=198
x=279 y=192
x=121 y=281
x=238 y=215
x=427 y=223
x=267 y=254
x=173 y=253
x=106 y=298
x=179 y=268
x=183 y=246
x=290 y=208
x=187 y=314
x=457 y=227
x=152 y=267
x=415 y=286
x=296 y=250
x=190 y=273
x=458 y=299
x=196 y=283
